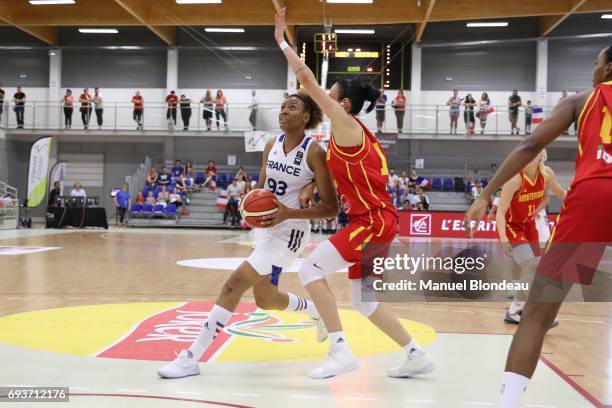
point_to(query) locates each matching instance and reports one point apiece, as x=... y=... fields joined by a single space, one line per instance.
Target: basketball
x=257 y=204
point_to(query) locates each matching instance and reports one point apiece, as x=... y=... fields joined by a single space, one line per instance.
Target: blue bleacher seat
x=484 y=181
x=436 y=183
x=256 y=177
x=222 y=179
x=171 y=210
x=448 y=184
x=135 y=209
x=420 y=179
x=158 y=210
x=200 y=178
x=147 y=209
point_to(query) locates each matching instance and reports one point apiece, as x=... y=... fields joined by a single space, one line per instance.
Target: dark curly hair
x=310 y=106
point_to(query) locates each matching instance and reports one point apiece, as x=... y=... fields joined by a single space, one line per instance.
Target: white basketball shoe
x=416 y=363
x=321 y=329
x=183 y=366
x=339 y=360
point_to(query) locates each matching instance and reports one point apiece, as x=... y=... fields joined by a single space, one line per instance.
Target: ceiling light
x=351 y=1
x=47 y=2
x=198 y=1
x=238 y=48
x=606 y=16
x=489 y=24
x=349 y=31
x=358 y=50
x=98 y=30
x=224 y=30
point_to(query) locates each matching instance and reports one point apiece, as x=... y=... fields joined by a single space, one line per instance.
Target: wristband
x=283 y=45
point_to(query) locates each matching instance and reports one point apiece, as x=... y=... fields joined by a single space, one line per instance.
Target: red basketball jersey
x=361 y=175
x=526 y=200
x=594 y=159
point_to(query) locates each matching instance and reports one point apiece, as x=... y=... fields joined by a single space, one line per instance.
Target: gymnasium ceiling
x=164 y=17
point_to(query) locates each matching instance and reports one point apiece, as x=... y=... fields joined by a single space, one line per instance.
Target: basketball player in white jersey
x=290 y=162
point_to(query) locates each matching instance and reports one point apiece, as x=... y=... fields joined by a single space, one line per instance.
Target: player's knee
x=365 y=308
x=541 y=314
x=233 y=287
x=310 y=272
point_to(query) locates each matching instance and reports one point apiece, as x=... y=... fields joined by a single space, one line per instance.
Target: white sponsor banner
x=23 y=250
x=256 y=141
x=37 y=175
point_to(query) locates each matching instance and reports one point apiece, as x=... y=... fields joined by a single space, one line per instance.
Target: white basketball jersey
x=287 y=174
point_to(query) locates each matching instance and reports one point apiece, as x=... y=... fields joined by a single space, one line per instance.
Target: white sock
x=512 y=390
x=217 y=319
x=516 y=306
x=336 y=338
x=412 y=347
x=300 y=304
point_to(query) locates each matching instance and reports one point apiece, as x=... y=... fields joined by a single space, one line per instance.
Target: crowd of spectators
x=407 y=191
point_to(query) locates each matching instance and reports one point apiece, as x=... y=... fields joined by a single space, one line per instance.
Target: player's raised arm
x=560 y=119
x=346 y=130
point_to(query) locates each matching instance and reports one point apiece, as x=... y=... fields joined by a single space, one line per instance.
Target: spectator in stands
x=150 y=199
x=393 y=182
x=175 y=198
x=483 y=111
x=399 y=105
x=177 y=169
x=528 y=117
x=240 y=172
x=140 y=198
x=181 y=186
x=2 y=93
x=231 y=209
x=68 y=103
x=211 y=175
x=475 y=174
x=251 y=184
x=254 y=106
x=163 y=196
x=189 y=173
x=514 y=102
x=122 y=203
x=207 y=109
x=468 y=114
x=85 y=100
x=423 y=200
x=413 y=180
x=151 y=179
x=242 y=183
x=403 y=180
x=77 y=191
x=285 y=95
x=171 y=101
x=138 y=102
x=381 y=104
x=163 y=179
x=476 y=190
x=185 y=104
x=19 y=99
x=55 y=192
x=220 y=106
x=98 y=101
x=454 y=103
x=493 y=169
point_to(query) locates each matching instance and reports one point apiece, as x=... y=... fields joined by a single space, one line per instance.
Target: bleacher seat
x=459 y=185
x=171 y=210
x=147 y=209
x=484 y=182
x=256 y=177
x=448 y=184
x=135 y=210
x=200 y=178
x=158 y=210
x=436 y=183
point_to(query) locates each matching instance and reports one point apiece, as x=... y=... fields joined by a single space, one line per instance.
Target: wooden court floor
x=140 y=266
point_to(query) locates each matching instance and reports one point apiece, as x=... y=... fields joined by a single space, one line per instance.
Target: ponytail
x=358 y=93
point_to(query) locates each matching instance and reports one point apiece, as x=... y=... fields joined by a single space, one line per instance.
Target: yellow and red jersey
x=526 y=200
x=594 y=159
x=361 y=175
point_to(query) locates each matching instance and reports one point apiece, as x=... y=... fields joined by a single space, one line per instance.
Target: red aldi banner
x=446 y=225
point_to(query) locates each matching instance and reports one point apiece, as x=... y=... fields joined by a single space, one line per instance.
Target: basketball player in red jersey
x=583 y=229
x=359 y=168
x=521 y=199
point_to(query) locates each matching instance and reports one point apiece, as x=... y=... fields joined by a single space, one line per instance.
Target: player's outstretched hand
x=475 y=213
x=279 y=27
x=274 y=219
